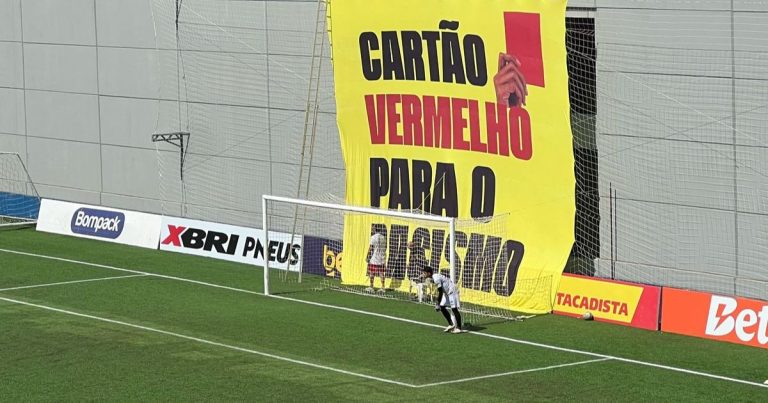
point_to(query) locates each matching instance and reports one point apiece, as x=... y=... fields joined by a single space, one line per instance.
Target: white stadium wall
x=682 y=139
x=82 y=84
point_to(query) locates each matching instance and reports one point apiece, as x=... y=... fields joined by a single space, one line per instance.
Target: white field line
x=71 y=282
x=186 y=280
x=209 y=342
x=547 y=346
x=523 y=371
x=281 y=358
x=493 y=336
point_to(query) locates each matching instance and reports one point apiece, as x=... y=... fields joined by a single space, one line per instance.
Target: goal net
x=19 y=201
x=335 y=255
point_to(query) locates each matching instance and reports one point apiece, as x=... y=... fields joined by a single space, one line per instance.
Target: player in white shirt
x=447 y=295
x=376 y=255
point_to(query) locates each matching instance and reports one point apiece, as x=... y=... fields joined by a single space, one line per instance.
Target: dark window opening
x=580 y=46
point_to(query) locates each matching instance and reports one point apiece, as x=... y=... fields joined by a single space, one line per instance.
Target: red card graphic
x=523 y=32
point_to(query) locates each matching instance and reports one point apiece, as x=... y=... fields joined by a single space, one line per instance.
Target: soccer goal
x=19 y=201
x=320 y=246
x=321 y=228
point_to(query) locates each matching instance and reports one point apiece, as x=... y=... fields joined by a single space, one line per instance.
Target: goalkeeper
x=447 y=295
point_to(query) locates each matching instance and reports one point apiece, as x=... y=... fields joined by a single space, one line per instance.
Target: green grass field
x=74 y=327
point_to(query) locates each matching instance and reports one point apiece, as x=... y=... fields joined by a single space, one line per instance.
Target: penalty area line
x=541 y=345
x=522 y=371
x=209 y=342
x=70 y=282
x=103 y=266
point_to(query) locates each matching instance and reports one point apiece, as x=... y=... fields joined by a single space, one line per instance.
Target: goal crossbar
x=353 y=209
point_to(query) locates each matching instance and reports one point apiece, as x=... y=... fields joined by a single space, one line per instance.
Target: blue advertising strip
x=322 y=256
x=18 y=205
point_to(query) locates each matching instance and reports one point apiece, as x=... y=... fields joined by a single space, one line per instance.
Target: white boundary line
x=71 y=282
x=523 y=371
x=547 y=346
x=186 y=280
x=204 y=341
x=281 y=358
x=530 y=343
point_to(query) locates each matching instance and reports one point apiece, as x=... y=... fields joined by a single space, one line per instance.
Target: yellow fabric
x=384 y=132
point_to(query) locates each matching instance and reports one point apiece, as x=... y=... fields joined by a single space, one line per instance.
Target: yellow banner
x=604 y=299
x=458 y=108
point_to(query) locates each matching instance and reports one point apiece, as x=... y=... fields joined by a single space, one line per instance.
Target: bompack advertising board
x=100 y=223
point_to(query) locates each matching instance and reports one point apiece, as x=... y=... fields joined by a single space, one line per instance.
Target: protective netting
x=255 y=84
x=668 y=112
x=670 y=140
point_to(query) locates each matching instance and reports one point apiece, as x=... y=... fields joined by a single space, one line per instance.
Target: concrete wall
x=682 y=139
x=59 y=87
x=82 y=84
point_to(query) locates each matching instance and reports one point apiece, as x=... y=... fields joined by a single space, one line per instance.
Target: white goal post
x=298 y=204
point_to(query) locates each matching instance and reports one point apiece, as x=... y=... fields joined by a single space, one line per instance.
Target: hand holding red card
x=509 y=82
